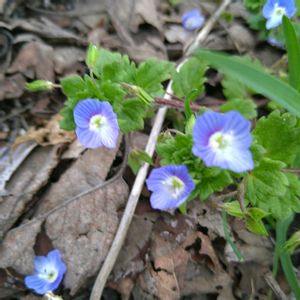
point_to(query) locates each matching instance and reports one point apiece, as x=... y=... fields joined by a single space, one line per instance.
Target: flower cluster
x=274 y=10
x=220 y=140
x=49 y=271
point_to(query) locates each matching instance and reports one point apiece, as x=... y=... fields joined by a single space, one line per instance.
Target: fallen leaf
x=11 y=86
x=11 y=160
x=66 y=57
x=26 y=181
x=35 y=61
x=51 y=134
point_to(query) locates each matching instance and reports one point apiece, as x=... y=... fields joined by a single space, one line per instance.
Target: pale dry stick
x=141 y=176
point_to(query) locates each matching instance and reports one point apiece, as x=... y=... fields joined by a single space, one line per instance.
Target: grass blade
x=293 y=51
x=255 y=78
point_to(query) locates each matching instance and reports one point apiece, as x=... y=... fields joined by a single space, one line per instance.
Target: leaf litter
x=165 y=256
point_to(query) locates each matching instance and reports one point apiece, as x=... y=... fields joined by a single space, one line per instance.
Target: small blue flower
x=274 y=10
x=97 y=124
x=170 y=185
x=49 y=271
x=192 y=20
x=223 y=140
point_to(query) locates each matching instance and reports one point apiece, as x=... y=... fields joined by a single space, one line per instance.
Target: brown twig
x=241 y=195
x=177 y=104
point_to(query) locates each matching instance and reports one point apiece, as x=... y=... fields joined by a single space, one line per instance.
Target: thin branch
x=141 y=176
x=177 y=104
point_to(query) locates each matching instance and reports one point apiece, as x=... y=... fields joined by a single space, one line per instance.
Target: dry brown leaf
x=44 y=28
x=66 y=57
x=184 y=262
x=35 y=61
x=11 y=86
x=143 y=43
x=25 y=182
x=51 y=134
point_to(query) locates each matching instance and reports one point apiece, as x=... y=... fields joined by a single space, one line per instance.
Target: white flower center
x=279 y=10
x=220 y=141
x=48 y=274
x=97 y=122
x=174 y=185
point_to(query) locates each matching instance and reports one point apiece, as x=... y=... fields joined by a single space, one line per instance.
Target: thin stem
x=177 y=104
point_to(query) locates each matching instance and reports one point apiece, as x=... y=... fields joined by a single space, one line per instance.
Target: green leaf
x=131 y=115
x=234 y=89
x=293 y=51
x=233 y=208
x=255 y=5
x=73 y=86
x=255 y=78
x=255 y=226
x=67 y=123
x=190 y=77
x=245 y=106
x=175 y=150
x=212 y=180
x=151 y=73
x=119 y=71
x=272 y=190
x=136 y=158
x=105 y=57
x=279 y=135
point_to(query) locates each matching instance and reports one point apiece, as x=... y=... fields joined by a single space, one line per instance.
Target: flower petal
x=39 y=285
x=88 y=138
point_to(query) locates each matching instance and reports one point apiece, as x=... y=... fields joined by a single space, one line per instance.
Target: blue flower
x=49 y=271
x=170 y=185
x=223 y=140
x=192 y=20
x=97 y=124
x=274 y=10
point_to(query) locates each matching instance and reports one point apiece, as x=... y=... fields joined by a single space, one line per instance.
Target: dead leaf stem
x=141 y=176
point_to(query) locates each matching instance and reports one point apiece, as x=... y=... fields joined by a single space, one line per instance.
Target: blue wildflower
x=223 y=140
x=97 y=124
x=274 y=10
x=170 y=185
x=49 y=271
x=192 y=20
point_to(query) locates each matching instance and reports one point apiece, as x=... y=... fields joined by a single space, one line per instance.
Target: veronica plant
x=216 y=149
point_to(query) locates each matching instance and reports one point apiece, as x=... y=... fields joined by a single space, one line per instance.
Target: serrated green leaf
x=279 y=135
x=272 y=190
x=255 y=78
x=212 y=182
x=151 y=73
x=105 y=57
x=175 y=150
x=130 y=115
x=255 y=5
x=234 y=89
x=190 y=77
x=67 y=123
x=293 y=51
x=245 y=106
x=73 y=86
x=122 y=70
